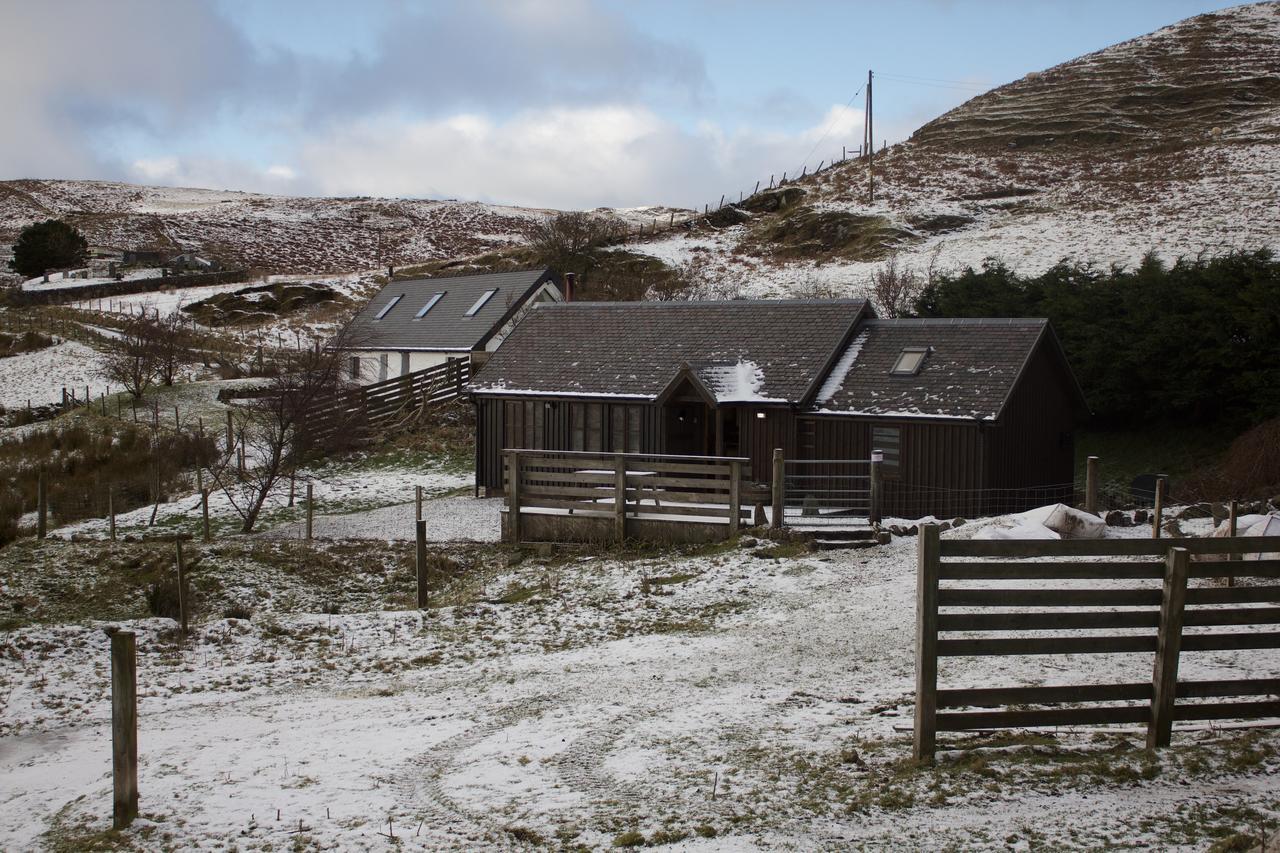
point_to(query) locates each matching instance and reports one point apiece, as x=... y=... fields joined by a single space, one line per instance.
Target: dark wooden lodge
x=973 y=416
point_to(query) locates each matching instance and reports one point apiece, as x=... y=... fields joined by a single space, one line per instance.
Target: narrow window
x=618 y=431
x=355 y=367
x=909 y=361
x=595 y=427
x=577 y=421
x=382 y=367
x=889 y=441
x=431 y=303
x=484 y=297
x=388 y=307
x=633 y=429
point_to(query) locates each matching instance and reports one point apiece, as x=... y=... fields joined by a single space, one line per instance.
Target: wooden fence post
x=620 y=498
x=1164 y=680
x=874 y=514
x=204 y=514
x=1157 y=511
x=231 y=441
x=779 y=488
x=310 y=511
x=926 y=714
x=513 y=496
x=421 y=562
x=417 y=503
x=111 y=514
x=124 y=728
x=293 y=487
x=240 y=456
x=182 y=586
x=42 y=505
x=735 y=497
x=1091 y=485
x=1233 y=530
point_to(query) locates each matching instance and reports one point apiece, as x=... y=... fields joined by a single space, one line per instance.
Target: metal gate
x=826 y=491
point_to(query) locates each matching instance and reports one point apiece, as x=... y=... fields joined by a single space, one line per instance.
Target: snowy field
x=730 y=699
x=40 y=376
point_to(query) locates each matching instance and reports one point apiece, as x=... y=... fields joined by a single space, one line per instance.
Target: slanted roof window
x=388 y=307
x=910 y=360
x=484 y=297
x=431 y=303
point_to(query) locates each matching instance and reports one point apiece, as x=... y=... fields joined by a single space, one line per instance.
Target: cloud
x=537 y=102
x=614 y=155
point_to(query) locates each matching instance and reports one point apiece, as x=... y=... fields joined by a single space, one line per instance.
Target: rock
x=958 y=522
x=1195 y=511
x=1173 y=529
x=946 y=525
x=1219 y=512
x=747 y=542
x=1141 y=516
x=1116 y=518
x=913 y=530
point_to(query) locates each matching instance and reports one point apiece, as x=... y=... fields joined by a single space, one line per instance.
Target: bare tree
x=278 y=430
x=563 y=241
x=894 y=288
x=130 y=358
x=173 y=347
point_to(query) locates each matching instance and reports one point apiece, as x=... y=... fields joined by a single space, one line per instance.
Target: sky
x=570 y=104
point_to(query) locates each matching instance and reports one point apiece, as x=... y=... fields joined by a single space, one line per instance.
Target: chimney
x=570 y=279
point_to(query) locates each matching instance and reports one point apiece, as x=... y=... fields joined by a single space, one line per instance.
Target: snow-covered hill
x=1169 y=143
x=273 y=233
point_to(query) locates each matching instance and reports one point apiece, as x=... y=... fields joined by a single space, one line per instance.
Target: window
x=355 y=367
x=618 y=432
x=382 y=367
x=888 y=441
x=595 y=427
x=386 y=308
x=484 y=297
x=633 y=428
x=431 y=303
x=909 y=361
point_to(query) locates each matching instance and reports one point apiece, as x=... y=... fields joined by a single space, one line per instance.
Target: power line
x=827 y=132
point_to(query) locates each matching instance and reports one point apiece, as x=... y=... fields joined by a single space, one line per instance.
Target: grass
x=1168 y=449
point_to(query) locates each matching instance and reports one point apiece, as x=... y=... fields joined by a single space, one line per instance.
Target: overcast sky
x=555 y=103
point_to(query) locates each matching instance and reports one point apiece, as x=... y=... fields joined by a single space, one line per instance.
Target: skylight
x=910 y=361
x=388 y=307
x=422 y=312
x=484 y=297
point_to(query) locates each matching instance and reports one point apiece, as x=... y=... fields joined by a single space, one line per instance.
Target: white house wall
x=370 y=363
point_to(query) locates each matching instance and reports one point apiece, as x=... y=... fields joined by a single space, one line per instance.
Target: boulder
x=1141 y=516
x=1028 y=530
x=1116 y=518
x=1067 y=522
x=1201 y=510
x=957 y=522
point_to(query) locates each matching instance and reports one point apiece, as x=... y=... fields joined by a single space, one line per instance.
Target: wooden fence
x=623 y=486
x=374 y=405
x=125 y=287
x=1158 y=613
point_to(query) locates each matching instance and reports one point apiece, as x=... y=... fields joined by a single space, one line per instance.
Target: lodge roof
x=823 y=356
x=446 y=324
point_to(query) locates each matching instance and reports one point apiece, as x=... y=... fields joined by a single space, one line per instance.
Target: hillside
x=272 y=233
x=1169 y=143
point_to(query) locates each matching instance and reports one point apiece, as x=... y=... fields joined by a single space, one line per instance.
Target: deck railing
x=624 y=486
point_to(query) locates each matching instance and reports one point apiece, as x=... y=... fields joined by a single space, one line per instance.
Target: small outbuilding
x=414 y=324
x=972 y=415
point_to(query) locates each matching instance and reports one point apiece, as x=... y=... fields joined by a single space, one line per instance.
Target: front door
x=687 y=423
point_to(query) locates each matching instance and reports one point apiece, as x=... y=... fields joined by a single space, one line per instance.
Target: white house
x=413 y=324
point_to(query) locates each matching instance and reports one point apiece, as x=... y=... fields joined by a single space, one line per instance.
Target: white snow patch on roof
x=736 y=383
x=835 y=379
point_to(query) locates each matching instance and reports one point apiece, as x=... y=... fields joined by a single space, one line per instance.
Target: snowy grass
x=581 y=698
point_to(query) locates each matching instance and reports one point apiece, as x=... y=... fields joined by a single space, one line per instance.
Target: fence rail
x=1159 y=615
x=374 y=405
x=626 y=486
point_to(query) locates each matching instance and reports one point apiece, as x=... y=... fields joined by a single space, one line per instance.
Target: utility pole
x=870 y=147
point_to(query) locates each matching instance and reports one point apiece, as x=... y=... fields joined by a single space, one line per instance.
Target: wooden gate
x=1160 y=613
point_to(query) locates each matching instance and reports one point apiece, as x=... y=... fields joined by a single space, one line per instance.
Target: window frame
x=386 y=309
x=481 y=302
x=899 y=370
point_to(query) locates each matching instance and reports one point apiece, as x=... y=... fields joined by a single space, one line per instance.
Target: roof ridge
x=956 y=321
x=466 y=274
x=707 y=302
